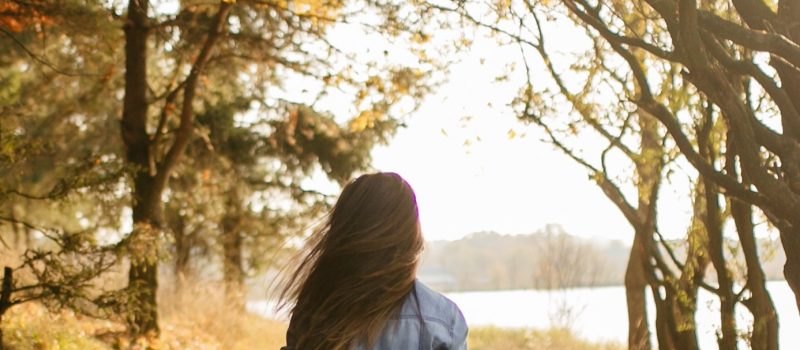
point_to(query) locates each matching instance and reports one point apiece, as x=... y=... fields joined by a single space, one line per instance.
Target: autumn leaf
x=511 y=134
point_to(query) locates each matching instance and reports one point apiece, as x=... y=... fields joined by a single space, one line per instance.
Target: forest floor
x=205 y=325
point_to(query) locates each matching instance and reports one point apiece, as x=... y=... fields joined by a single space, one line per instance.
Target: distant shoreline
x=599 y=286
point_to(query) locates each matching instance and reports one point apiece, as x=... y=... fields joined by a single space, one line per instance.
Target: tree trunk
x=790 y=239
x=146 y=195
x=5 y=297
x=789 y=13
x=648 y=167
x=143 y=274
x=665 y=322
x=18 y=232
x=765 y=319
x=150 y=175
x=684 y=302
x=635 y=289
x=232 y=264
x=232 y=259
x=182 y=250
x=712 y=221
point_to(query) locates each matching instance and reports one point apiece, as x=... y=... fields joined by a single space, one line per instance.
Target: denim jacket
x=443 y=325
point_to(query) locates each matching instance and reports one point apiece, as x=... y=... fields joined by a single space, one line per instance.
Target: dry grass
x=196 y=320
x=492 y=338
x=31 y=326
x=201 y=320
x=204 y=310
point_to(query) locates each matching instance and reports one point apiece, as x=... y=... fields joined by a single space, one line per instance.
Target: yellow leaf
x=364 y=120
x=511 y=134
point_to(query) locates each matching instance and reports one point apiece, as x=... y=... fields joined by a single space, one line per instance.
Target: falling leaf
x=443 y=131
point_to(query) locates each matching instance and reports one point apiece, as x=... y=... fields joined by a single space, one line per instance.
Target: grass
x=201 y=321
x=31 y=326
x=493 y=338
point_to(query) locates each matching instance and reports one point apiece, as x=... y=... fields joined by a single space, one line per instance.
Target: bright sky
x=508 y=185
x=468 y=174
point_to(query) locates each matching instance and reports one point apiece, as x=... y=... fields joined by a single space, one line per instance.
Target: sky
x=474 y=167
x=498 y=183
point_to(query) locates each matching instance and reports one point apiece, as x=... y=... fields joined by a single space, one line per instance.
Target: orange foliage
x=16 y=18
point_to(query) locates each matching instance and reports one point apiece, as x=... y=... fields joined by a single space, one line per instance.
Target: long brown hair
x=357 y=268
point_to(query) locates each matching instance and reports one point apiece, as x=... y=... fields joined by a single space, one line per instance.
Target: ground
x=31 y=326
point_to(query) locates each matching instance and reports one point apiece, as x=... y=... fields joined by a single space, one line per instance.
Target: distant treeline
x=549 y=259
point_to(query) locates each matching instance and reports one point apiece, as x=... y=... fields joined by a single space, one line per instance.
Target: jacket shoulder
x=433 y=306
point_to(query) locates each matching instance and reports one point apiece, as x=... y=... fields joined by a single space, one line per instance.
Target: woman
x=356 y=287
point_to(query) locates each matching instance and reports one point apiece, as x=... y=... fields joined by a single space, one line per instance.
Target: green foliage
x=67 y=179
x=309 y=138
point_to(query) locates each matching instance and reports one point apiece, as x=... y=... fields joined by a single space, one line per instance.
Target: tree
x=264 y=36
x=57 y=165
x=720 y=67
x=257 y=176
x=607 y=78
x=721 y=49
x=565 y=262
x=175 y=65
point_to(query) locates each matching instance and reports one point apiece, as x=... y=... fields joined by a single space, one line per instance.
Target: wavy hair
x=357 y=268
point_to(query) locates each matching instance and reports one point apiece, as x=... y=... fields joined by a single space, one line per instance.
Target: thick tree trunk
x=151 y=175
x=765 y=318
x=675 y=304
x=635 y=293
x=143 y=274
x=665 y=320
x=684 y=306
x=146 y=195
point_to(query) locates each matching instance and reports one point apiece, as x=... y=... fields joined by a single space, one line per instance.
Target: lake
x=596 y=313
